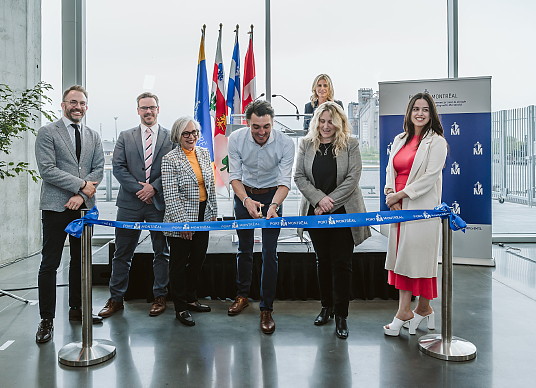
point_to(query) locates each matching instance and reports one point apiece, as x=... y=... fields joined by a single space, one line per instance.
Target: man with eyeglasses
x=71 y=163
x=136 y=165
x=260 y=172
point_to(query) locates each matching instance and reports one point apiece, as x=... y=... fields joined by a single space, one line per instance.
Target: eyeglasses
x=75 y=103
x=145 y=108
x=192 y=133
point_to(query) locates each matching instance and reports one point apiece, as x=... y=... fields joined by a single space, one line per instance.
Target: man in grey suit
x=71 y=162
x=136 y=165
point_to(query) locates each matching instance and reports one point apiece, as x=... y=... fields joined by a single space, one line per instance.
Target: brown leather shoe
x=238 y=305
x=267 y=322
x=158 y=307
x=110 y=308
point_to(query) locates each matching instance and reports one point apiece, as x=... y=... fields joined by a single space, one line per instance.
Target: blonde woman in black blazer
x=190 y=196
x=322 y=91
x=328 y=169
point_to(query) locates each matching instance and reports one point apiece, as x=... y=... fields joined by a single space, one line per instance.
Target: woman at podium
x=323 y=91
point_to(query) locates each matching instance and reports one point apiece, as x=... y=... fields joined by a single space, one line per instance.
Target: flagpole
x=249 y=92
x=218 y=109
x=268 y=54
x=202 y=105
x=234 y=101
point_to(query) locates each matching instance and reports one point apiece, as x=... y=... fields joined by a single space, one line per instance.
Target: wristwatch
x=276 y=206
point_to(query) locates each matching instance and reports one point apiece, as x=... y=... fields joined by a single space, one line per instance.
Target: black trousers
x=54 y=224
x=185 y=264
x=334 y=249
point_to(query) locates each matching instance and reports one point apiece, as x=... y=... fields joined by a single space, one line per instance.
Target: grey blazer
x=347 y=193
x=129 y=167
x=61 y=172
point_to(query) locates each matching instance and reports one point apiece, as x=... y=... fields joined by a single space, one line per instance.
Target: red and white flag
x=218 y=110
x=249 y=90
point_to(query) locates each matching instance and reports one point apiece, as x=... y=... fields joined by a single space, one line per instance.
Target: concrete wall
x=20 y=68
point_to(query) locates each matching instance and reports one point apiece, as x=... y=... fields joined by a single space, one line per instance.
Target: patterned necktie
x=148 y=153
x=77 y=140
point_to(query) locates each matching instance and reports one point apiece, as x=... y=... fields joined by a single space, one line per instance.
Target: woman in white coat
x=414 y=181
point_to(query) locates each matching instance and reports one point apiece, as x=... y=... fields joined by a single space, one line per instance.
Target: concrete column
x=20 y=68
x=452 y=32
x=73 y=35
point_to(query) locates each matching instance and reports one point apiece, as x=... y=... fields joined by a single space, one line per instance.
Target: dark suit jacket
x=129 y=167
x=62 y=173
x=310 y=109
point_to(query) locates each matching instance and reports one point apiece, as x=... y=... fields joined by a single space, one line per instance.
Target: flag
x=249 y=74
x=233 y=90
x=202 y=107
x=218 y=110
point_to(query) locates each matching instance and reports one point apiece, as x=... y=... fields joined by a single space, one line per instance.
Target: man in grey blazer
x=136 y=165
x=71 y=162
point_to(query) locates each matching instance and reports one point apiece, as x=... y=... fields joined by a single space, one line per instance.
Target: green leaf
x=18 y=111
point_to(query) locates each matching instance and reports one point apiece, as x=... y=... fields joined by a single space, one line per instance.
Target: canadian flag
x=249 y=90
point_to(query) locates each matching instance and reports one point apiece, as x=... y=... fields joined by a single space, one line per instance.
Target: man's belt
x=253 y=190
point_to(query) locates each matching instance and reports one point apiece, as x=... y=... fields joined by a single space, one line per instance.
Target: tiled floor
x=495 y=308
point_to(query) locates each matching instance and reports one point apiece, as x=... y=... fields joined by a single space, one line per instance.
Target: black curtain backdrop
x=297 y=278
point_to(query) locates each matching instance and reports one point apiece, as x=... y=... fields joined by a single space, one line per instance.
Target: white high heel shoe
x=417 y=319
x=394 y=327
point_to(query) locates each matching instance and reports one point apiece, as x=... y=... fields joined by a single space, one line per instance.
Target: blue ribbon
x=324 y=221
x=455 y=221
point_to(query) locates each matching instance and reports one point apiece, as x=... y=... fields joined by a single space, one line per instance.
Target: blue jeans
x=126 y=241
x=244 y=257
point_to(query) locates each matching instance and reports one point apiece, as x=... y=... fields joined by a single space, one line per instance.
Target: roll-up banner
x=464 y=106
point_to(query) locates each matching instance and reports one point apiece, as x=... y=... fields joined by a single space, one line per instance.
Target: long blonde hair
x=340 y=122
x=331 y=91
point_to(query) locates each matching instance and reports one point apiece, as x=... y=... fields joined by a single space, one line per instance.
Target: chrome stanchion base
x=74 y=354
x=457 y=349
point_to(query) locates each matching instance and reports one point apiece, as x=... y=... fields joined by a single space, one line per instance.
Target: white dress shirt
x=263 y=166
x=70 y=129
x=154 y=130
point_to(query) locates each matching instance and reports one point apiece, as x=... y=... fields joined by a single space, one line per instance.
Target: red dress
x=425 y=287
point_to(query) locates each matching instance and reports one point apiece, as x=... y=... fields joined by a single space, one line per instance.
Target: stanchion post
x=446 y=283
x=87 y=305
x=89 y=351
x=445 y=346
x=108 y=173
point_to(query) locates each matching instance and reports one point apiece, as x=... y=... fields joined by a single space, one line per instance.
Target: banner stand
x=89 y=351
x=464 y=107
x=445 y=346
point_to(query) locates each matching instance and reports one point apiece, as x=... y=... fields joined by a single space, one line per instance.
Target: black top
x=310 y=109
x=325 y=174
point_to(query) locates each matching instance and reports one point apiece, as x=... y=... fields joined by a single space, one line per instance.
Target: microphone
x=259 y=96
x=290 y=102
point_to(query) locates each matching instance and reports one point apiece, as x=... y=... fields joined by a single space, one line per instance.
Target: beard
x=149 y=119
x=76 y=119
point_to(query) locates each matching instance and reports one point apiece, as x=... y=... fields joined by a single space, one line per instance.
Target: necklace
x=326 y=148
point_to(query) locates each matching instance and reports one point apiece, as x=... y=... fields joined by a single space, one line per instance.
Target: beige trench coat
x=419 y=240
x=347 y=193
